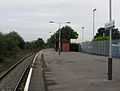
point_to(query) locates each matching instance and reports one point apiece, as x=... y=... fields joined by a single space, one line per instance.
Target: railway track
x=10 y=80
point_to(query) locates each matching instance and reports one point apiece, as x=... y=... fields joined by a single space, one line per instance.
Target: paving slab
x=75 y=71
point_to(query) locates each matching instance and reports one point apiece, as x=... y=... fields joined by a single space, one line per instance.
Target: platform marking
x=30 y=73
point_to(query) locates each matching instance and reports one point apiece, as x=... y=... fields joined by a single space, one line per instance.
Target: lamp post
x=83 y=34
x=94 y=21
x=55 y=42
x=59 y=23
x=50 y=41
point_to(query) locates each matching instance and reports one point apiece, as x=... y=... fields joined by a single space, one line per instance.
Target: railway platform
x=74 y=71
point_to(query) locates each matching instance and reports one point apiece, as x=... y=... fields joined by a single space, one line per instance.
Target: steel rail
x=2 y=76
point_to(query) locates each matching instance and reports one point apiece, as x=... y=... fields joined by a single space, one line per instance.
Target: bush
x=101 y=38
x=12 y=43
x=74 y=47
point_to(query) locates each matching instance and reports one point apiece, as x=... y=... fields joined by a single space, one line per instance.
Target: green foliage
x=67 y=33
x=35 y=45
x=103 y=34
x=15 y=37
x=100 y=38
x=40 y=43
x=12 y=43
x=50 y=43
x=74 y=47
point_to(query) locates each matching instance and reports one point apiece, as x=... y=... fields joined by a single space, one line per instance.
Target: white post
x=93 y=22
x=82 y=34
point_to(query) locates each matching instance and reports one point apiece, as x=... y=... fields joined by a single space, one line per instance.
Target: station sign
x=110 y=25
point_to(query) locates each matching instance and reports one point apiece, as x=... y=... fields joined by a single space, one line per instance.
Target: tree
x=67 y=33
x=105 y=34
x=16 y=38
x=50 y=43
x=12 y=43
x=35 y=45
x=40 y=43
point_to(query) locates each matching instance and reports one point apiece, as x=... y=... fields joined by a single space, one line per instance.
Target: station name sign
x=110 y=25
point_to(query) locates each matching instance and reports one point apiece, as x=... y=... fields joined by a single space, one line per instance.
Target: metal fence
x=101 y=47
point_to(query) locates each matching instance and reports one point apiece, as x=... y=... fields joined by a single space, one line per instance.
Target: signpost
x=109 y=26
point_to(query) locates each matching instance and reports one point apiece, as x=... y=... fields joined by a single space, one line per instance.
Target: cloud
x=31 y=16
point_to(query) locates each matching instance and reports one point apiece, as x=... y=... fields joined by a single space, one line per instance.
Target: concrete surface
x=37 y=80
x=75 y=71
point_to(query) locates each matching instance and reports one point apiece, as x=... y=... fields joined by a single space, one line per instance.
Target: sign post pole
x=110 y=25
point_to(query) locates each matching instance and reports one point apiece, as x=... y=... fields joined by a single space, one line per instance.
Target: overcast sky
x=30 y=18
